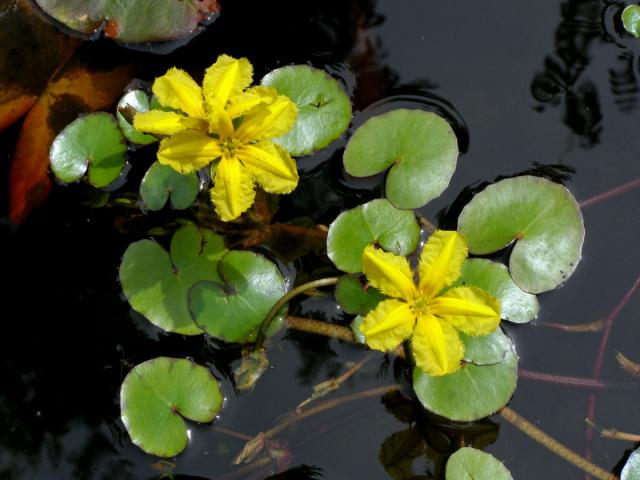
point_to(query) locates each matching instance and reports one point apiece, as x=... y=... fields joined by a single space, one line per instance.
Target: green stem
x=305 y=287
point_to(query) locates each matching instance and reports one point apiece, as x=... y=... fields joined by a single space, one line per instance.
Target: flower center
x=229 y=146
x=420 y=306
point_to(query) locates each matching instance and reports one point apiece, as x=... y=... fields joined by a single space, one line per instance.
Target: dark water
x=545 y=83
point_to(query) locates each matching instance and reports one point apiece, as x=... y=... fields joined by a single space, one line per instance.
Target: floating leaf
x=355 y=298
x=324 y=109
x=75 y=90
x=94 y=142
x=133 y=21
x=135 y=101
x=516 y=305
x=156 y=283
x=162 y=182
x=254 y=363
x=420 y=147
x=631 y=470
x=399 y=451
x=233 y=308
x=471 y=393
x=378 y=221
x=631 y=20
x=486 y=349
x=541 y=216
x=158 y=393
x=471 y=464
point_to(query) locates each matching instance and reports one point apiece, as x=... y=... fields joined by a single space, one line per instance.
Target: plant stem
x=426 y=224
x=577 y=382
x=321 y=328
x=612 y=433
x=556 y=447
x=231 y=433
x=594 y=326
x=614 y=192
x=264 y=326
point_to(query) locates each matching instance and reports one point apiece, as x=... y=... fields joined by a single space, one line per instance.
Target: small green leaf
x=162 y=182
x=486 y=349
x=631 y=470
x=92 y=142
x=355 y=298
x=631 y=20
x=420 y=147
x=471 y=393
x=156 y=283
x=155 y=397
x=541 y=216
x=324 y=109
x=516 y=305
x=135 y=101
x=233 y=308
x=471 y=464
x=395 y=230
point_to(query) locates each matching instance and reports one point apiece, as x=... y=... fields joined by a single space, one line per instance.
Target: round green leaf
x=324 y=109
x=135 y=101
x=543 y=218
x=516 y=305
x=156 y=283
x=420 y=147
x=161 y=182
x=472 y=464
x=133 y=21
x=631 y=470
x=395 y=230
x=157 y=394
x=355 y=298
x=486 y=349
x=471 y=393
x=92 y=141
x=233 y=308
x=631 y=20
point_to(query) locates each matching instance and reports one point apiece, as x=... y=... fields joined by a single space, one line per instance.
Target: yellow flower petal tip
x=423 y=313
x=224 y=120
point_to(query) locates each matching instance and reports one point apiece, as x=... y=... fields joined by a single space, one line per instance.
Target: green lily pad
x=541 y=216
x=631 y=20
x=516 y=305
x=92 y=142
x=232 y=308
x=135 y=101
x=355 y=298
x=133 y=21
x=631 y=470
x=472 y=464
x=162 y=182
x=395 y=230
x=486 y=349
x=471 y=393
x=155 y=397
x=324 y=109
x=420 y=147
x=156 y=283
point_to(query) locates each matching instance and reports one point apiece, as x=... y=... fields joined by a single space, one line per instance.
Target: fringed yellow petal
x=220 y=122
x=246 y=101
x=159 y=122
x=176 y=89
x=441 y=260
x=232 y=192
x=389 y=273
x=227 y=77
x=188 y=151
x=469 y=309
x=388 y=325
x=268 y=120
x=271 y=165
x=436 y=346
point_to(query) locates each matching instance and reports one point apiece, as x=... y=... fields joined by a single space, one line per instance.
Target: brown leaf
x=76 y=89
x=31 y=51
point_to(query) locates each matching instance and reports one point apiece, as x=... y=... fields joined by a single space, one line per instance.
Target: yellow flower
x=227 y=122
x=431 y=318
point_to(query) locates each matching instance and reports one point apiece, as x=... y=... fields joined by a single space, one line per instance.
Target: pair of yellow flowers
x=231 y=123
x=228 y=124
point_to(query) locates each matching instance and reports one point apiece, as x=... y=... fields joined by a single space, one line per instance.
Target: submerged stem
x=552 y=444
x=264 y=326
